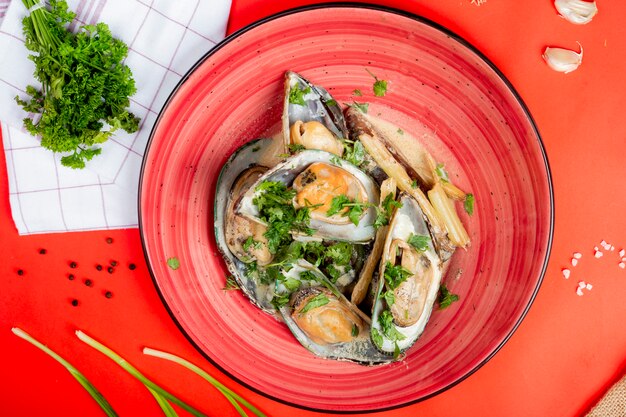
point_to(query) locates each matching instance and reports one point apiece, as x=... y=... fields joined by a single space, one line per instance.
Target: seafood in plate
x=335 y=230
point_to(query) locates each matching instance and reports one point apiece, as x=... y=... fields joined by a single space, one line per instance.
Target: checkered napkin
x=165 y=38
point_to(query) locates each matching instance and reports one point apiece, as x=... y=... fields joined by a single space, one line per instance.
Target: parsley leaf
x=468 y=204
x=231 y=284
x=296 y=95
x=441 y=173
x=354 y=153
x=445 y=297
x=315 y=302
x=379 y=87
x=291 y=284
x=414 y=184
x=354 y=208
x=85 y=84
x=395 y=275
x=363 y=107
x=419 y=242
x=173 y=263
x=340 y=253
x=280 y=300
x=357 y=92
x=251 y=242
x=383 y=216
x=276 y=209
x=389 y=298
x=295 y=148
x=388 y=328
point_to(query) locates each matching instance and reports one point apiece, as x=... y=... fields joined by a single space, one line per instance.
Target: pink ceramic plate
x=441 y=90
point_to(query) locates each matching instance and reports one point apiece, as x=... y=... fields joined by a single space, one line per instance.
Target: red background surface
x=565 y=354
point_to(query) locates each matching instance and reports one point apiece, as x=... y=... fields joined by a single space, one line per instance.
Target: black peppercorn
x=88 y=282
x=74 y=302
x=42 y=251
x=131 y=266
x=71 y=277
x=73 y=264
x=108 y=294
x=110 y=270
x=20 y=272
x=109 y=240
x=99 y=267
x=113 y=263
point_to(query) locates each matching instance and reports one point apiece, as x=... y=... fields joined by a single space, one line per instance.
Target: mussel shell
x=252 y=154
x=407 y=220
x=287 y=171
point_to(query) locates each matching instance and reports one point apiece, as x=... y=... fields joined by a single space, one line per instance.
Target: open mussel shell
x=313 y=104
x=327 y=227
x=242 y=170
x=415 y=297
x=327 y=323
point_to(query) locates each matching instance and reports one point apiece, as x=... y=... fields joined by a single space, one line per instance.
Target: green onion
x=134 y=372
x=167 y=408
x=95 y=394
x=228 y=393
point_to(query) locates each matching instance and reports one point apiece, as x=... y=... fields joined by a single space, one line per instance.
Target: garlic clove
x=563 y=60
x=576 y=11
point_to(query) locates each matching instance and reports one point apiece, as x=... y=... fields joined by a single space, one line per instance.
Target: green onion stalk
x=95 y=394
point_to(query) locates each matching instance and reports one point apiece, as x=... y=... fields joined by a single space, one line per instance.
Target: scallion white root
x=95 y=394
x=134 y=372
x=230 y=395
x=447 y=212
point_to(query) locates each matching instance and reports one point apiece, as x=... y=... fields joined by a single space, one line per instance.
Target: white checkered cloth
x=165 y=38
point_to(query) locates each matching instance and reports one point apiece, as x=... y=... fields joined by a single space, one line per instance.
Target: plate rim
x=422 y=20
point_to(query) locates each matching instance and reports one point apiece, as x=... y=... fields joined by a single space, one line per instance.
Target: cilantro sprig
x=445 y=297
x=296 y=94
x=85 y=84
x=395 y=275
x=379 y=87
x=419 y=242
x=383 y=215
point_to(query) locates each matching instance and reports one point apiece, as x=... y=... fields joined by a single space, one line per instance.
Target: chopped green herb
x=85 y=80
x=445 y=297
x=355 y=208
x=395 y=275
x=384 y=216
x=251 y=242
x=296 y=147
x=355 y=330
x=354 y=153
x=274 y=202
x=231 y=284
x=315 y=302
x=389 y=298
x=256 y=149
x=414 y=184
x=388 y=328
x=335 y=160
x=340 y=253
x=291 y=284
x=363 y=107
x=441 y=173
x=357 y=92
x=173 y=263
x=331 y=102
x=296 y=95
x=377 y=338
x=307 y=276
x=396 y=351
x=419 y=242
x=379 y=87
x=280 y=300
x=468 y=204
x=400 y=131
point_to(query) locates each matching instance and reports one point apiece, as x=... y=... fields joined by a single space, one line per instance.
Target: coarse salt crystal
x=582 y=284
x=622 y=253
x=603 y=243
x=574 y=261
x=622 y=265
x=566 y=273
x=578 y=255
x=589 y=286
x=598 y=254
x=612 y=248
x=579 y=291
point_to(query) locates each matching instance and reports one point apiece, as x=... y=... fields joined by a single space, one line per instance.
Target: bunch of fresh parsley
x=85 y=84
